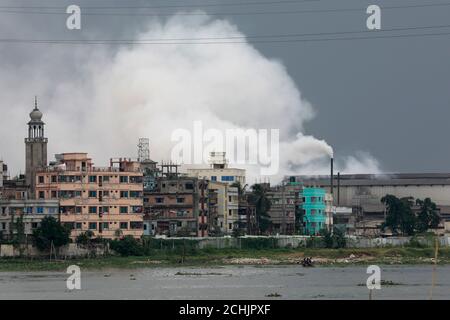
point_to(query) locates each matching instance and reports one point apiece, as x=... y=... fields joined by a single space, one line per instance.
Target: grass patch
x=217 y=257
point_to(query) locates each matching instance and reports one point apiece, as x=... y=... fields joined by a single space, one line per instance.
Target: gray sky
x=389 y=97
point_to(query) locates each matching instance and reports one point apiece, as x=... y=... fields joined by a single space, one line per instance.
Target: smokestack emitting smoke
x=331 y=175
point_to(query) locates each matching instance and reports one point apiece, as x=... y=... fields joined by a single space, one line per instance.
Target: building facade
x=219 y=171
x=27 y=211
x=316 y=205
x=282 y=209
x=178 y=206
x=105 y=200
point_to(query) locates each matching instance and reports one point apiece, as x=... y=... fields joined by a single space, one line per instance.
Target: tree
x=85 y=238
x=128 y=246
x=50 y=231
x=18 y=232
x=327 y=238
x=428 y=216
x=262 y=204
x=399 y=214
x=299 y=215
x=335 y=239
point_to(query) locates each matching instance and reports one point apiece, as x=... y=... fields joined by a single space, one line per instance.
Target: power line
x=430 y=5
x=243 y=37
x=232 y=4
x=133 y=42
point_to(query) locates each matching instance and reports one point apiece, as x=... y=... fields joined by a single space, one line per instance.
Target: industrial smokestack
x=331 y=176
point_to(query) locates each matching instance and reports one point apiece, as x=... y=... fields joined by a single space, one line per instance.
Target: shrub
x=50 y=231
x=128 y=246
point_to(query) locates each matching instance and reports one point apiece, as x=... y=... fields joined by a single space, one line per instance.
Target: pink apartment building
x=106 y=200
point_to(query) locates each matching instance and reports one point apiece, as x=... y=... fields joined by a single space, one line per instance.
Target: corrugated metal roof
x=394 y=179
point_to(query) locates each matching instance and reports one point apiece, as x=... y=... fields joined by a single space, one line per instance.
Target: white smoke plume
x=101 y=100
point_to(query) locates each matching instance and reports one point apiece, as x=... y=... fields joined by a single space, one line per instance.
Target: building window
x=41 y=195
x=41 y=179
x=180 y=200
x=124 y=225
x=78 y=210
x=92 y=194
x=136 y=209
x=78 y=226
x=123 y=179
x=124 y=194
x=105 y=178
x=189 y=186
x=123 y=209
x=106 y=209
x=136 y=225
x=40 y=210
x=92 y=209
x=53 y=179
x=230 y=226
x=227 y=178
x=34 y=225
x=52 y=210
x=29 y=210
x=92 y=179
x=159 y=200
x=230 y=212
x=92 y=225
x=135 y=194
x=3 y=225
x=105 y=225
x=213 y=178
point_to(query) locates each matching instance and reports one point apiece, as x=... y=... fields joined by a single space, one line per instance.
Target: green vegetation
x=259 y=199
x=219 y=257
x=335 y=239
x=128 y=246
x=401 y=218
x=50 y=232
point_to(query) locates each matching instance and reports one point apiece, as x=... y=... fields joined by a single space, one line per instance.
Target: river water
x=230 y=282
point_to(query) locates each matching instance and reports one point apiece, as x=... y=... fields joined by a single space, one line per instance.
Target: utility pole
x=283 y=199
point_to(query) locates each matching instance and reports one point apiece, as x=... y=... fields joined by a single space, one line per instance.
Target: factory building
x=363 y=193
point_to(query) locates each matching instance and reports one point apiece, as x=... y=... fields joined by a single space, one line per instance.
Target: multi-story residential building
x=178 y=206
x=223 y=207
x=30 y=211
x=219 y=171
x=318 y=210
x=282 y=209
x=104 y=200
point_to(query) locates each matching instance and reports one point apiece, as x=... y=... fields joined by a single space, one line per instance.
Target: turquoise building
x=314 y=206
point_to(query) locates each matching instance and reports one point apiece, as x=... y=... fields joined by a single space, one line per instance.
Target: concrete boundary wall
x=69 y=251
x=301 y=241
